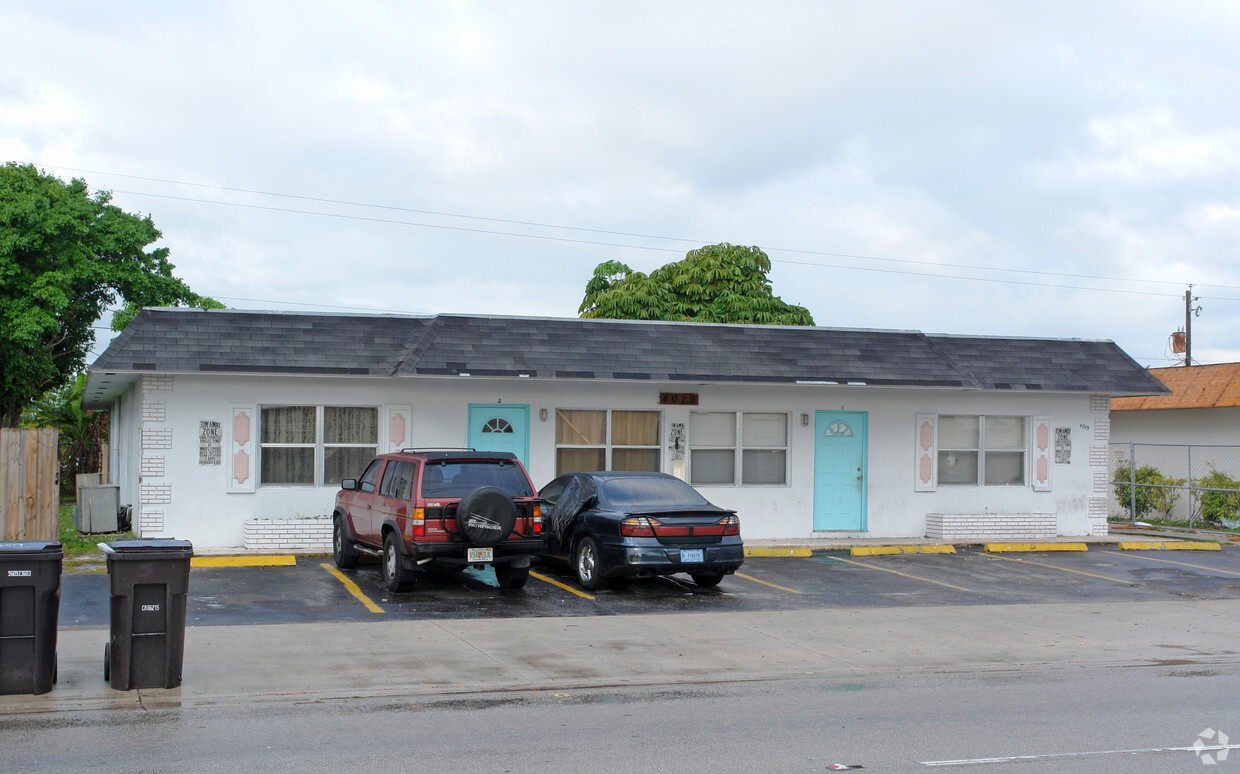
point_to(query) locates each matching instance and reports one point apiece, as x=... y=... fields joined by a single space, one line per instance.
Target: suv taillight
x=417 y=527
x=638 y=526
x=536 y=520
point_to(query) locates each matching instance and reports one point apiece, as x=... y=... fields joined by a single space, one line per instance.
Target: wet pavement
x=313 y=592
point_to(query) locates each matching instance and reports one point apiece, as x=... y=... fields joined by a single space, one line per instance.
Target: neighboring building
x=220 y=418
x=1201 y=410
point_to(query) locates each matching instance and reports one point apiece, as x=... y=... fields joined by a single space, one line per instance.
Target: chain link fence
x=1195 y=484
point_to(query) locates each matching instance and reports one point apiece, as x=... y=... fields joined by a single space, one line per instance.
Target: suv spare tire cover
x=486 y=516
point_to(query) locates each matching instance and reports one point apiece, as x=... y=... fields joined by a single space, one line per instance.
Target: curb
x=884 y=550
x=1168 y=545
x=286 y=560
x=998 y=548
x=797 y=552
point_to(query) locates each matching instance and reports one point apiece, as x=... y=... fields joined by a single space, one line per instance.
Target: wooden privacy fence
x=29 y=497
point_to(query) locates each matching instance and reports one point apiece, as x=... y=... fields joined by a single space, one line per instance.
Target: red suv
x=447 y=508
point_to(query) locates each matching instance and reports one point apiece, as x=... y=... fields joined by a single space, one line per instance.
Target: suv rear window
x=457 y=479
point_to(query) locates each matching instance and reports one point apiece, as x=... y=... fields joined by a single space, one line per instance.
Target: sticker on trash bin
x=150 y=608
x=19 y=573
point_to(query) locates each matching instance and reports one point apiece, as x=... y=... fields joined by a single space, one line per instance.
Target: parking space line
x=897 y=572
x=352 y=588
x=767 y=583
x=564 y=586
x=1061 y=569
x=1181 y=564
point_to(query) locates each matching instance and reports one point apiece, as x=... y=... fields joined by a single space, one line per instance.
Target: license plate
x=480 y=554
x=690 y=555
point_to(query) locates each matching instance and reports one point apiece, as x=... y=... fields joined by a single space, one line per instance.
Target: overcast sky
x=1003 y=168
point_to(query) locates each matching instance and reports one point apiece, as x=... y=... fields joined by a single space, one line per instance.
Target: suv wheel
x=510 y=577
x=586 y=563
x=396 y=577
x=344 y=556
x=486 y=516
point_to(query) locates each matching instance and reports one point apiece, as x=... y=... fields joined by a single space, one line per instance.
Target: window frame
x=984 y=452
x=739 y=447
x=319 y=446
x=608 y=446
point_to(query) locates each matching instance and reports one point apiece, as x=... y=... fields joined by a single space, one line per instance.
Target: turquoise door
x=500 y=427
x=839 y=470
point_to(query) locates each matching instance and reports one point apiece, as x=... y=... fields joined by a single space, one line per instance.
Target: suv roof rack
x=424 y=449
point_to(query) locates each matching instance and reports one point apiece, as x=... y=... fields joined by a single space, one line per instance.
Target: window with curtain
x=308 y=445
x=728 y=446
x=981 y=450
x=601 y=439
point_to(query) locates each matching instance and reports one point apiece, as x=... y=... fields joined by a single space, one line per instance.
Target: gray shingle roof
x=227 y=341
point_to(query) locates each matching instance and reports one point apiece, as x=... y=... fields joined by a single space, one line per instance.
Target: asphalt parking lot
x=313 y=591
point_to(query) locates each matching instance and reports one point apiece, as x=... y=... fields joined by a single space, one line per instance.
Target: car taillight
x=417 y=527
x=731 y=525
x=536 y=520
x=637 y=527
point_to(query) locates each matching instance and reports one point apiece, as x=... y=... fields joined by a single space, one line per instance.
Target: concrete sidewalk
x=403 y=660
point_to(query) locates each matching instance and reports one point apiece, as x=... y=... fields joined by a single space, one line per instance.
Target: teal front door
x=839 y=470
x=500 y=427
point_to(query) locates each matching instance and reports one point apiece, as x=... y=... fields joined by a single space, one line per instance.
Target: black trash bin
x=146 y=645
x=29 y=609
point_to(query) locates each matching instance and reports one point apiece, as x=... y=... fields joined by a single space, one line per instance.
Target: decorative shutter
x=926 y=471
x=242 y=447
x=396 y=428
x=1043 y=449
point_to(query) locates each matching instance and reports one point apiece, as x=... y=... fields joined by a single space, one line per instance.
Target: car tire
x=344 y=556
x=706 y=579
x=396 y=577
x=510 y=577
x=486 y=516
x=587 y=564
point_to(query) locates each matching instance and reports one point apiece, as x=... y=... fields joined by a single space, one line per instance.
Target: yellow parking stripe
x=1180 y=564
x=1063 y=569
x=353 y=589
x=243 y=561
x=564 y=586
x=884 y=550
x=767 y=583
x=897 y=572
x=1167 y=545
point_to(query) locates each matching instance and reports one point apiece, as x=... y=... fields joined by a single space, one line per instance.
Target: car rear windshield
x=640 y=494
x=457 y=479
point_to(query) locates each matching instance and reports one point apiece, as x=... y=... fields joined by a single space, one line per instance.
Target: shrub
x=1219 y=502
x=1147 y=496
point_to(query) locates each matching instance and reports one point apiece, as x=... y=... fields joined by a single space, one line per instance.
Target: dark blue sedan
x=615 y=524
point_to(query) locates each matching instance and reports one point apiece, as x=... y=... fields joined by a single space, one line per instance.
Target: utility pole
x=1189 y=313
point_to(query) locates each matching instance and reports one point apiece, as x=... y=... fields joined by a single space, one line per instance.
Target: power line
x=535 y=224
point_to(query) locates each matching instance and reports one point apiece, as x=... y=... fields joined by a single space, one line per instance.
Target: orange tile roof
x=1210 y=386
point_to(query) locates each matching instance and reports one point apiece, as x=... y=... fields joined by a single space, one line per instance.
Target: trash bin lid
x=27 y=546
x=147 y=545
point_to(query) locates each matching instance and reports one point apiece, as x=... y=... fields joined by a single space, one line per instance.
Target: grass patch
x=1181 y=523
x=75 y=543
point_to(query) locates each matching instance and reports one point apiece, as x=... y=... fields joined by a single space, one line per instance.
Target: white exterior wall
x=1213 y=432
x=1206 y=426
x=178 y=497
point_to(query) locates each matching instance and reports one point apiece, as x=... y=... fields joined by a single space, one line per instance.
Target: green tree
x=65 y=257
x=82 y=432
x=717 y=283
